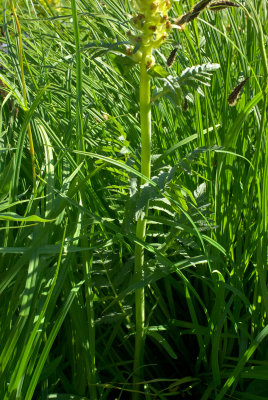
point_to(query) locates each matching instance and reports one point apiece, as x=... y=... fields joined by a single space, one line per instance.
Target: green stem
x=261 y=165
x=87 y=258
x=32 y=154
x=145 y=116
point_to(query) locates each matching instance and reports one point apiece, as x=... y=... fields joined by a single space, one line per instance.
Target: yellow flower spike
x=152 y=21
x=152 y=32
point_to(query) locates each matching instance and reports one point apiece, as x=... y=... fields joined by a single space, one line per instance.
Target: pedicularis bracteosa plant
x=67 y=258
x=151 y=25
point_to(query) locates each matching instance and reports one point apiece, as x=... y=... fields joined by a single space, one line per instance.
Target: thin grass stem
x=86 y=257
x=30 y=136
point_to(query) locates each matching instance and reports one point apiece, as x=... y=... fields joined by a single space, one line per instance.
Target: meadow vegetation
x=133 y=200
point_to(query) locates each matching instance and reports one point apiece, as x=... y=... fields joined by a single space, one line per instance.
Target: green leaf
x=123 y=63
x=239 y=368
x=65 y=397
x=15 y=217
x=14 y=91
x=5 y=177
x=198 y=71
x=158 y=72
x=163 y=342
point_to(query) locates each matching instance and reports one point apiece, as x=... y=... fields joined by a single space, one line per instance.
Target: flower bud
x=137 y=56
x=150 y=61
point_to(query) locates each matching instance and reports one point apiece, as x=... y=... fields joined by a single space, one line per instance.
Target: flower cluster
x=151 y=24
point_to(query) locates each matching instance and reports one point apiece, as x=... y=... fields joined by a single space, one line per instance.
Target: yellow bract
x=152 y=22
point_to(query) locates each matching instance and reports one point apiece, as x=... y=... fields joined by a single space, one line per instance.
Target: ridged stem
x=145 y=119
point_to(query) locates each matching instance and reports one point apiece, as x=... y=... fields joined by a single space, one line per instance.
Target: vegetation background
x=67 y=323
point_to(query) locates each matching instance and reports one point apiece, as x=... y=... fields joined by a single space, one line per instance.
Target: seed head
x=129 y=51
x=200 y=6
x=171 y=57
x=235 y=94
x=2 y=91
x=168 y=25
x=221 y=5
x=184 y=19
x=185 y=105
x=150 y=61
x=193 y=14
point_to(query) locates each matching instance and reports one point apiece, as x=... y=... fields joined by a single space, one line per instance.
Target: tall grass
x=67 y=256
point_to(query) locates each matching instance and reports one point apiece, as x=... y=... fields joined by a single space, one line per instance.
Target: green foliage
x=66 y=255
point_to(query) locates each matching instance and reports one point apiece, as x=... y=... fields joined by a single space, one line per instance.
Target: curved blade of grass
x=24 y=358
x=15 y=217
x=49 y=343
x=19 y=151
x=238 y=369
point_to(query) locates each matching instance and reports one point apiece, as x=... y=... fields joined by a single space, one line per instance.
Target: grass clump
x=147 y=213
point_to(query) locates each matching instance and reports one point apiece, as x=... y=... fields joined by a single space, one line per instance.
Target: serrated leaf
x=198 y=70
x=171 y=91
x=200 y=190
x=162 y=205
x=123 y=63
x=175 y=96
x=149 y=192
x=200 y=150
x=158 y=72
x=130 y=207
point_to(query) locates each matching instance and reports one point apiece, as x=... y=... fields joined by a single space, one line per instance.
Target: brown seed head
x=221 y=5
x=141 y=17
x=129 y=51
x=184 y=19
x=154 y=6
x=134 y=20
x=168 y=25
x=185 y=105
x=200 y=6
x=171 y=57
x=234 y=95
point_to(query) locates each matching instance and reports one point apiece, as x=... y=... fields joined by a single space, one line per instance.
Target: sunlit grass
x=67 y=325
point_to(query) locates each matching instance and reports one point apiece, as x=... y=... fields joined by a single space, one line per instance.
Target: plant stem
x=87 y=258
x=261 y=164
x=145 y=117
